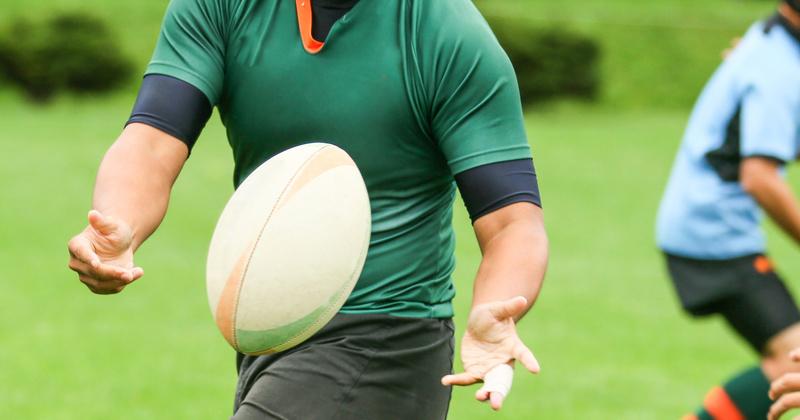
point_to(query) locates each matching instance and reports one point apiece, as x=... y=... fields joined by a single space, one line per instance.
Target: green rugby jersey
x=414 y=90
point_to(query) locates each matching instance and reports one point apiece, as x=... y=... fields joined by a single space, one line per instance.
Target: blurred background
x=608 y=86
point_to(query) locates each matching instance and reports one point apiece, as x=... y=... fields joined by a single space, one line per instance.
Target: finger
x=460 y=379
x=104 y=225
x=525 y=356
x=497 y=383
x=81 y=250
x=112 y=273
x=78 y=266
x=101 y=288
x=136 y=273
x=482 y=394
x=784 y=404
x=508 y=308
x=789 y=382
x=795 y=355
x=496 y=400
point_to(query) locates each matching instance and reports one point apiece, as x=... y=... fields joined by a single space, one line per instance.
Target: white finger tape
x=499 y=379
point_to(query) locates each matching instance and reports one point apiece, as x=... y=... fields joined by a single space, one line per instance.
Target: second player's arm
x=130 y=200
x=761 y=178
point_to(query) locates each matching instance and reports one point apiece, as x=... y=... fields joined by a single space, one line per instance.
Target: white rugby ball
x=288 y=249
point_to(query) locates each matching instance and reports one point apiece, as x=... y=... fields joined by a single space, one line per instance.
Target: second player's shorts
x=356 y=367
x=746 y=291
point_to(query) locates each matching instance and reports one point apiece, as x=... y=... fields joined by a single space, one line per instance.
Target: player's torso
x=354 y=93
x=360 y=92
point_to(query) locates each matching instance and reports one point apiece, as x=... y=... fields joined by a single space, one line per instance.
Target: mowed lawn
x=610 y=339
x=607 y=330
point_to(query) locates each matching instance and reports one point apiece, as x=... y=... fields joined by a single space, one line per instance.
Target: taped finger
x=499 y=380
x=496 y=400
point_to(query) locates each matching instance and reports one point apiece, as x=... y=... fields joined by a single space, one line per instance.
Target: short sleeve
x=191 y=46
x=769 y=121
x=476 y=113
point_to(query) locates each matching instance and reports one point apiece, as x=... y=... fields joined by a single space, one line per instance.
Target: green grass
x=607 y=330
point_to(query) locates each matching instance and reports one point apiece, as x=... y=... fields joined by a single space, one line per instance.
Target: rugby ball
x=288 y=249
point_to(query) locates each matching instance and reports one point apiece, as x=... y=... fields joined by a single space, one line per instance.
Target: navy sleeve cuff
x=172 y=106
x=491 y=187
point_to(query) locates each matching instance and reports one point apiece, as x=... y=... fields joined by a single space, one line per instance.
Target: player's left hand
x=785 y=391
x=489 y=348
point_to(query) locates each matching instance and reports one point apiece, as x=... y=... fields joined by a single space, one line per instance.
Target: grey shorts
x=357 y=367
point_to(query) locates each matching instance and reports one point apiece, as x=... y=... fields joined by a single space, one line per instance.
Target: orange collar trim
x=304 y=19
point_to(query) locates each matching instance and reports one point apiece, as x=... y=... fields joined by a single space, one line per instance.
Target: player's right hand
x=102 y=255
x=785 y=391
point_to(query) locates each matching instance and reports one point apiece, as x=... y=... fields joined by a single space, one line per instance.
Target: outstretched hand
x=489 y=348
x=102 y=255
x=785 y=391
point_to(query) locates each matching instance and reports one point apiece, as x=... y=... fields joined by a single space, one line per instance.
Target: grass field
x=607 y=330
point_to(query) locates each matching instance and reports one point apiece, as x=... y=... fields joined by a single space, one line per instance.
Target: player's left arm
x=514 y=247
x=477 y=122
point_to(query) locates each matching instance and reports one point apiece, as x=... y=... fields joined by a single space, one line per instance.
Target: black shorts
x=745 y=290
x=356 y=367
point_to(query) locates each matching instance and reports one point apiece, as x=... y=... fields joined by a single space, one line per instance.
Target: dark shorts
x=746 y=291
x=356 y=367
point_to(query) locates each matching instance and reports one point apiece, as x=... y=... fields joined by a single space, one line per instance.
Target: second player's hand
x=489 y=348
x=785 y=391
x=102 y=255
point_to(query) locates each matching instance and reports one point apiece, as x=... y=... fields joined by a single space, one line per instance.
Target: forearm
x=778 y=201
x=762 y=180
x=514 y=261
x=136 y=177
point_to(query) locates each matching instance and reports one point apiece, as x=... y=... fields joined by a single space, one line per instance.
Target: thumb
x=104 y=225
x=508 y=308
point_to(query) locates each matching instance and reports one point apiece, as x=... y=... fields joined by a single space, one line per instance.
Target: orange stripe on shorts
x=763 y=265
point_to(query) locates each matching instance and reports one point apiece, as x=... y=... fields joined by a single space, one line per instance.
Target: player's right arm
x=183 y=83
x=130 y=200
x=762 y=179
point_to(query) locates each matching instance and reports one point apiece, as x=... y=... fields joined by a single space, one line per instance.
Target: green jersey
x=415 y=91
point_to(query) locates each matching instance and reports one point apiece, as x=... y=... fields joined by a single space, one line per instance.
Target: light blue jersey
x=750 y=107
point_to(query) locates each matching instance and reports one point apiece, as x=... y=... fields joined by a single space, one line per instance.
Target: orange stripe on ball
x=229 y=300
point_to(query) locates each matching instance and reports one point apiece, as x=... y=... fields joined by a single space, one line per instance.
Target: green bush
x=74 y=52
x=551 y=62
